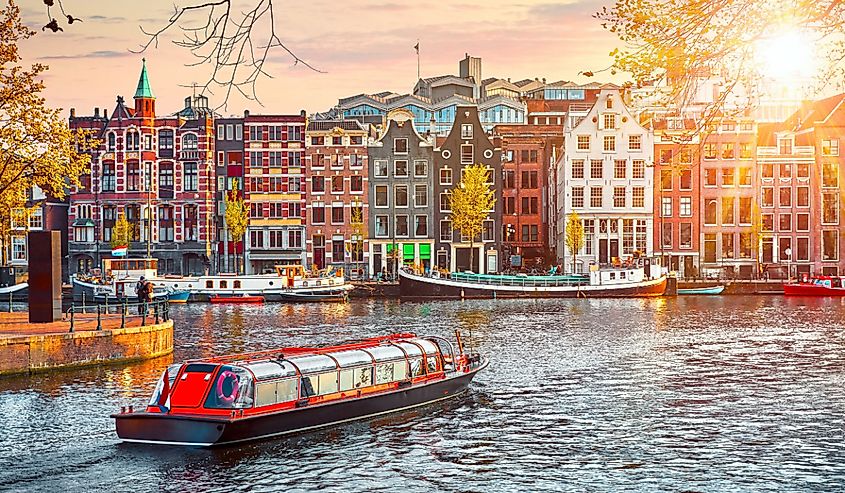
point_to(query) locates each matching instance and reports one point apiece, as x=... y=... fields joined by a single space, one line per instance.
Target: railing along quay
x=157 y=310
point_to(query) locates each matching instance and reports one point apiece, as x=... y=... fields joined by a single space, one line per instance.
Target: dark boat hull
x=415 y=287
x=169 y=429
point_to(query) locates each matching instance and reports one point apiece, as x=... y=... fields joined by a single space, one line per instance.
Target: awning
x=83 y=223
x=408 y=251
x=425 y=251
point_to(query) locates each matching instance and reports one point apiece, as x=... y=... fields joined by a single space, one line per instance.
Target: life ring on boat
x=221 y=394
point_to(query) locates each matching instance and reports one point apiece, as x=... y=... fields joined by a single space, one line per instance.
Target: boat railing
x=108 y=314
x=521 y=281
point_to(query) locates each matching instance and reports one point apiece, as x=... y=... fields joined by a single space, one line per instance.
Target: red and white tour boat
x=816 y=286
x=232 y=399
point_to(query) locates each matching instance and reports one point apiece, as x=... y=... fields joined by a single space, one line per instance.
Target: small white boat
x=711 y=290
x=14 y=288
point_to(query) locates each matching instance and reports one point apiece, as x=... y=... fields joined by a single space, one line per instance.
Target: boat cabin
x=130 y=267
x=292 y=378
x=829 y=281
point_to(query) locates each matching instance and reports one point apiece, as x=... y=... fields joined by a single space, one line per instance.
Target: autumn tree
x=121 y=233
x=684 y=44
x=359 y=232
x=237 y=217
x=472 y=200
x=37 y=148
x=574 y=236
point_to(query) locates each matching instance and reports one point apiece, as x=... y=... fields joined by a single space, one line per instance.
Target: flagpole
x=418 y=58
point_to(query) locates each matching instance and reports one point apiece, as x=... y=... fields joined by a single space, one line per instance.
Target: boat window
x=363 y=377
x=268 y=393
x=328 y=383
x=236 y=284
x=200 y=368
x=224 y=284
x=171 y=372
x=346 y=359
x=432 y=364
x=308 y=386
x=417 y=367
x=346 y=377
x=400 y=370
x=233 y=388
x=621 y=275
x=612 y=275
x=209 y=284
x=384 y=373
x=386 y=353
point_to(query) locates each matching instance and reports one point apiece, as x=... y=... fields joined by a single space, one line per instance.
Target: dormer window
x=609 y=104
x=189 y=142
x=784 y=146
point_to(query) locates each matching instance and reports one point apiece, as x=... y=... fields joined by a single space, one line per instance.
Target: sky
x=359 y=47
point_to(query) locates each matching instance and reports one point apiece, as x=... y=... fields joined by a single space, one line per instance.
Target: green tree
x=121 y=234
x=37 y=148
x=237 y=217
x=471 y=201
x=574 y=236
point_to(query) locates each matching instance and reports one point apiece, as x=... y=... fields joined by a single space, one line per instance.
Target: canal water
x=687 y=394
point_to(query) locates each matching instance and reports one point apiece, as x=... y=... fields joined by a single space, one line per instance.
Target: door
x=688 y=266
x=614 y=248
x=462 y=260
x=603 y=251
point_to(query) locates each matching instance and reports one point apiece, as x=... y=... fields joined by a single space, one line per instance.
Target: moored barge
x=233 y=399
x=633 y=281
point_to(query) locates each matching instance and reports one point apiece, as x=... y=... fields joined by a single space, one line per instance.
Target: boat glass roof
x=386 y=353
x=411 y=349
x=313 y=363
x=265 y=370
x=430 y=347
x=353 y=357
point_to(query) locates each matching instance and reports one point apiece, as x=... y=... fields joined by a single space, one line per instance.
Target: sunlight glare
x=787 y=55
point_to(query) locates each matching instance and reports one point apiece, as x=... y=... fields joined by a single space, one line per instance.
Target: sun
x=789 y=54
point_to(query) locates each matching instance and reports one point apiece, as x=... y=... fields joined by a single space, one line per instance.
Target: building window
x=830 y=208
x=685 y=207
x=400 y=168
x=830 y=147
x=577 y=169
x=619 y=197
x=785 y=197
x=596 y=166
x=529 y=180
x=445 y=230
x=420 y=168
x=445 y=202
x=767 y=222
x=487 y=228
x=400 y=196
x=255 y=132
x=666 y=207
x=189 y=142
x=710 y=212
x=133 y=140
x=768 y=197
x=421 y=226
x=802 y=222
x=509 y=182
x=728 y=245
x=830 y=175
x=400 y=146
x=19 y=248
x=356 y=161
x=785 y=223
x=112 y=142
x=191 y=177
x=467 y=156
x=685 y=235
x=578 y=197
x=256 y=239
x=466 y=131
x=728 y=211
x=318 y=213
x=620 y=168
x=337 y=184
x=446 y=176
x=381 y=226
x=165 y=143
x=784 y=146
x=609 y=120
x=745 y=210
x=133 y=177
x=381 y=196
x=595 y=197
x=709 y=151
x=402 y=225
x=685 y=180
x=728 y=177
x=745 y=176
x=609 y=143
x=420 y=195
x=583 y=142
x=256 y=210
x=294 y=238
x=710 y=177
x=318 y=184
x=666 y=179
x=256 y=159
x=530 y=205
x=337 y=213
x=710 y=247
x=830 y=245
x=635 y=142
x=165 y=223
x=380 y=167
x=802 y=198
x=745 y=150
x=108 y=183
x=276 y=210
x=638 y=169
x=356 y=184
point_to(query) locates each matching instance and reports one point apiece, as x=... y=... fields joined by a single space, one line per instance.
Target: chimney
x=302 y=113
x=96 y=112
x=544 y=80
x=73 y=112
x=105 y=114
x=246 y=113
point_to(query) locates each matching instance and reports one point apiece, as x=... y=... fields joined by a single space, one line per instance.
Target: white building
x=606 y=176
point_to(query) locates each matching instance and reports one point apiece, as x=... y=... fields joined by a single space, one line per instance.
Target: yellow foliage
x=121 y=234
x=574 y=236
x=237 y=213
x=471 y=202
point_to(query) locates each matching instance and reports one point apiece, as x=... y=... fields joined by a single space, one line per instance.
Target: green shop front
x=387 y=256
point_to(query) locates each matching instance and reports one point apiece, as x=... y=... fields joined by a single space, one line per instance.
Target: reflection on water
x=692 y=393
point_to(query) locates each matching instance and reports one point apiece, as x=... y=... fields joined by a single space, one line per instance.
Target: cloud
x=93 y=54
x=107 y=19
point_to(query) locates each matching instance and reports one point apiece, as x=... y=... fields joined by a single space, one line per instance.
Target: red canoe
x=817 y=286
x=236 y=299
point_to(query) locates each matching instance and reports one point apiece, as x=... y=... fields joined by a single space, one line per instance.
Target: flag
x=119 y=251
x=417 y=47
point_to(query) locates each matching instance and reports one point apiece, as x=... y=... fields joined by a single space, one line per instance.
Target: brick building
x=274 y=160
x=336 y=195
x=527 y=151
x=159 y=173
x=229 y=147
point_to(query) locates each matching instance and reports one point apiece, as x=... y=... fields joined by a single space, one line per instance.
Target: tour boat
x=704 y=290
x=236 y=299
x=232 y=399
x=178 y=296
x=816 y=286
x=287 y=283
x=600 y=282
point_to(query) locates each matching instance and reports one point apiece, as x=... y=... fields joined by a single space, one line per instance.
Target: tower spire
x=144 y=90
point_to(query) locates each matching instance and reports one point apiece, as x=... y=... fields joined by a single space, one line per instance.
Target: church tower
x=145 y=102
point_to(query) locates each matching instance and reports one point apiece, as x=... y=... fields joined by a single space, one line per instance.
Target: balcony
x=190 y=155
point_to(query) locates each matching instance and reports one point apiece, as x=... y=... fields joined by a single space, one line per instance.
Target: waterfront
x=674 y=394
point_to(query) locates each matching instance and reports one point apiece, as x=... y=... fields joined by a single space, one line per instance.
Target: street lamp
x=788 y=253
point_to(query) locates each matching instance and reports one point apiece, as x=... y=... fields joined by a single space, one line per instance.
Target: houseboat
x=287 y=283
x=232 y=399
x=816 y=286
x=634 y=280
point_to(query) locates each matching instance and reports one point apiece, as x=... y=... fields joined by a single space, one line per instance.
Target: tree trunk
x=472 y=257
